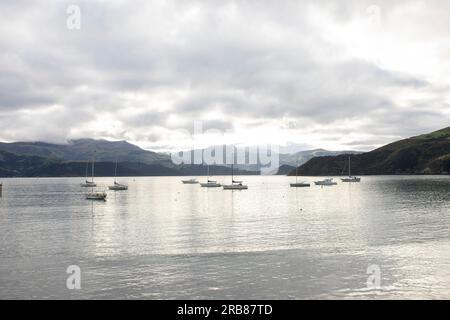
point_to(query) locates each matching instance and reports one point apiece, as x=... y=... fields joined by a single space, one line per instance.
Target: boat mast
x=296 y=173
x=93 y=164
x=115 y=173
x=349 y=168
x=232 y=166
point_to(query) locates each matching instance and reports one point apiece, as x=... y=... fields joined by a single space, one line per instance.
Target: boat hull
x=235 y=187
x=351 y=179
x=88 y=185
x=210 y=185
x=319 y=183
x=118 y=188
x=300 y=185
x=96 y=196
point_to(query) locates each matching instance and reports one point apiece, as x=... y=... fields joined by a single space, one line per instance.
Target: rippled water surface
x=165 y=240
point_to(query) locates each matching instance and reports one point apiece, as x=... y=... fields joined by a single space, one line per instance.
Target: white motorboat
x=350 y=178
x=210 y=183
x=325 y=182
x=299 y=184
x=117 y=186
x=235 y=185
x=190 y=181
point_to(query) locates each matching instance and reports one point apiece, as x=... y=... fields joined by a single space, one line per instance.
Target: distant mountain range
x=287 y=161
x=83 y=149
x=424 y=154
x=40 y=159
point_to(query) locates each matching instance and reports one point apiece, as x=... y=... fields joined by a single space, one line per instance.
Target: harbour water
x=162 y=239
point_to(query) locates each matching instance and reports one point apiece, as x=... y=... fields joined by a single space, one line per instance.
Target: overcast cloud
x=349 y=74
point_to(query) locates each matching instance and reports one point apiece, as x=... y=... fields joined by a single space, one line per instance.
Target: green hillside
x=424 y=154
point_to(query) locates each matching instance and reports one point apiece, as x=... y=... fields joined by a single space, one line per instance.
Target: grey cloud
x=251 y=61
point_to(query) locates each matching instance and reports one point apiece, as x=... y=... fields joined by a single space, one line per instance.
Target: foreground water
x=165 y=240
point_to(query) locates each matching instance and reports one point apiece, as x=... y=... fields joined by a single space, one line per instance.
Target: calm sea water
x=165 y=240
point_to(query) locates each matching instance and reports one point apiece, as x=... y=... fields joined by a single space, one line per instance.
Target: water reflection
x=163 y=239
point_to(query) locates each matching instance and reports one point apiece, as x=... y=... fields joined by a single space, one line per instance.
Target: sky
x=339 y=75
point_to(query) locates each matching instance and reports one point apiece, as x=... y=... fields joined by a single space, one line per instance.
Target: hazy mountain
x=304 y=156
x=285 y=160
x=424 y=154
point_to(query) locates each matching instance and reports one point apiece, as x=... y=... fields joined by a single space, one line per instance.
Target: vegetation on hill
x=424 y=154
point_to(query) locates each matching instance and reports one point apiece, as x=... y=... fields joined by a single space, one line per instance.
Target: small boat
x=235 y=185
x=299 y=184
x=86 y=183
x=117 y=186
x=325 y=182
x=210 y=183
x=95 y=195
x=350 y=178
x=190 y=181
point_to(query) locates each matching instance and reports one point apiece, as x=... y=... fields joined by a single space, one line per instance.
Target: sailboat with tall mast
x=210 y=183
x=350 y=178
x=299 y=184
x=87 y=183
x=235 y=185
x=117 y=186
x=95 y=195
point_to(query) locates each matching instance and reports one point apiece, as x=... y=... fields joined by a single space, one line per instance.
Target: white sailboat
x=210 y=183
x=235 y=185
x=350 y=178
x=95 y=195
x=86 y=183
x=117 y=186
x=299 y=184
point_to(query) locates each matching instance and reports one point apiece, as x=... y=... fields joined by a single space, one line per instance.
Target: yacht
x=235 y=185
x=86 y=183
x=95 y=195
x=117 y=186
x=299 y=184
x=210 y=183
x=98 y=195
x=325 y=182
x=350 y=178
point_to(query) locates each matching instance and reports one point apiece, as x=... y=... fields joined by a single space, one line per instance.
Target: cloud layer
x=338 y=75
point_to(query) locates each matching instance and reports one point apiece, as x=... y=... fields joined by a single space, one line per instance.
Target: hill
x=424 y=154
x=83 y=149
